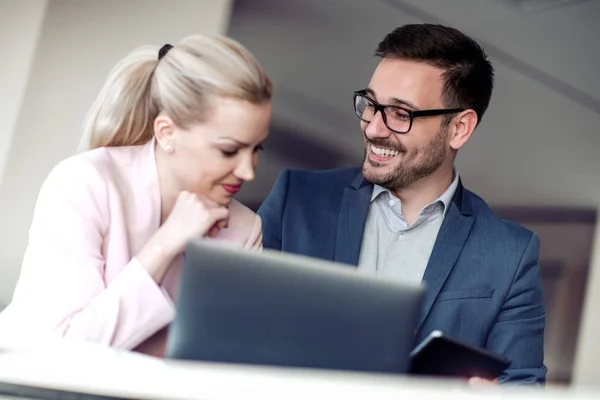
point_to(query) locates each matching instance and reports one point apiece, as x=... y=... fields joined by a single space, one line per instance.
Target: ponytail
x=183 y=84
x=123 y=113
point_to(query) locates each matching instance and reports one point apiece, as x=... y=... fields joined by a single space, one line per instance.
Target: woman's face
x=216 y=157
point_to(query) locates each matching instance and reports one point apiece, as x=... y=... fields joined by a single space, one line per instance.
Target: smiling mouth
x=382 y=153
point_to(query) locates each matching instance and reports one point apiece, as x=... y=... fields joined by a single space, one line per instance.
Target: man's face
x=395 y=160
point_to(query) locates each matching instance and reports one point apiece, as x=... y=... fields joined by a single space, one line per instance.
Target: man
x=406 y=215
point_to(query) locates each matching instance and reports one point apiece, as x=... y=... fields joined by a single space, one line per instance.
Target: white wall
x=20 y=26
x=80 y=41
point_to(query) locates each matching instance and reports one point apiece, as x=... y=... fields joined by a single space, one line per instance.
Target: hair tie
x=164 y=50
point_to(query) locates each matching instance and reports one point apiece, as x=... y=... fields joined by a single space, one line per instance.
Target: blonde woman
x=171 y=138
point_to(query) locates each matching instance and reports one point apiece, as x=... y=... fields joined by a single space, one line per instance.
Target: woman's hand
x=192 y=216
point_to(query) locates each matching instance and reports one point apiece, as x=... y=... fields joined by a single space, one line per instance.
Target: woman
x=170 y=139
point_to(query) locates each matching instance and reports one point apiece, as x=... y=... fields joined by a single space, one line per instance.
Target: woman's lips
x=232 y=189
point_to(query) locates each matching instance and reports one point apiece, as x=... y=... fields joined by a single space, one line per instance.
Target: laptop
x=278 y=309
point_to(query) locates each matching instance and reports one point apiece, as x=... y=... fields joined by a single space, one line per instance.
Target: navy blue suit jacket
x=482 y=280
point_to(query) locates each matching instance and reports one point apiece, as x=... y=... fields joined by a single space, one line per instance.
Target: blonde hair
x=183 y=83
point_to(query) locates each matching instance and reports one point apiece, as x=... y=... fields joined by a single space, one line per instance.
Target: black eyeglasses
x=396 y=119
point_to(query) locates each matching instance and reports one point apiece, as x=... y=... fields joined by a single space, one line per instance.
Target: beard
x=410 y=169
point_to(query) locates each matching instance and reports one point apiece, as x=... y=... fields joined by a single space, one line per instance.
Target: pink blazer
x=80 y=278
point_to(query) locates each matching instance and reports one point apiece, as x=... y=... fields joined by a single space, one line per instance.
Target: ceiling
x=535 y=6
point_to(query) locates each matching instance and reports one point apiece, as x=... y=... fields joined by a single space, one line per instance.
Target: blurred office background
x=533 y=158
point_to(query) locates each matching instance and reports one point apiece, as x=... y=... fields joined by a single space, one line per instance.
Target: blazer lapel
x=448 y=245
x=351 y=220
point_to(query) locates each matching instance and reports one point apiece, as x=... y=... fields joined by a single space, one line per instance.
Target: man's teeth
x=384 y=152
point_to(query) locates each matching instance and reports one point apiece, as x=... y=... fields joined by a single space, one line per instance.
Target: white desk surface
x=97 y=370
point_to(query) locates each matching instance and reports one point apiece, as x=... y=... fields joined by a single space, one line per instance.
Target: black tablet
x=440 y=355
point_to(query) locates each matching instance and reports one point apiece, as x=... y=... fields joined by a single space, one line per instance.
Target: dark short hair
x=468 y=75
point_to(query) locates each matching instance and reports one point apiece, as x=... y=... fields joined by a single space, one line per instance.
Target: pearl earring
x=168 y=148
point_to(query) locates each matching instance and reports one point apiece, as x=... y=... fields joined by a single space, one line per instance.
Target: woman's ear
x=463 y=126
x=164 y=131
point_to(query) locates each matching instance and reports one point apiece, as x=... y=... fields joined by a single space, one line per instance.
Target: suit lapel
x=351 y=221
x=448 y=245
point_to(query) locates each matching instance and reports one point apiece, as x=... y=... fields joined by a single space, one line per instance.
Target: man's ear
x=462 y=127
x=164 y=131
